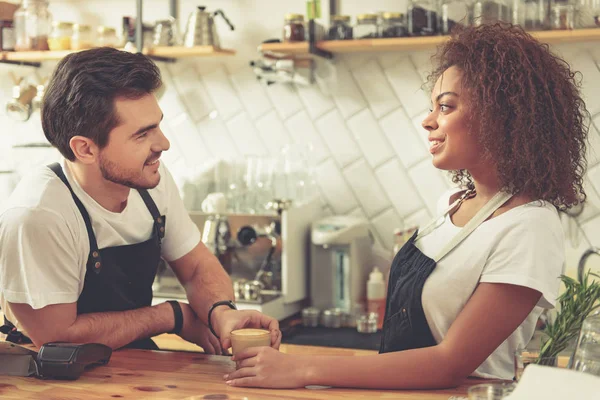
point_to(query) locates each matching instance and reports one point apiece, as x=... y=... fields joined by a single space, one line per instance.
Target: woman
x=507 y=119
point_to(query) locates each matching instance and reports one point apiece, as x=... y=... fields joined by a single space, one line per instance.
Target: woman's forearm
x=428 y=368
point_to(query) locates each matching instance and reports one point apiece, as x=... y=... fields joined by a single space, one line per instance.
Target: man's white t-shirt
x=44 y=244
x=523 y=246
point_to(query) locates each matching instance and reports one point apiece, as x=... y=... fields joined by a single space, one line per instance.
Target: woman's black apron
x=405 y=326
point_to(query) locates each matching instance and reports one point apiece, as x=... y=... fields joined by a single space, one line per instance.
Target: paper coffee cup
x=242 y=339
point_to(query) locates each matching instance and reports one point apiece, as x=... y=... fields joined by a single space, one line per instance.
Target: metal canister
x=310 y=317
x=332 y=318
x=252 y=290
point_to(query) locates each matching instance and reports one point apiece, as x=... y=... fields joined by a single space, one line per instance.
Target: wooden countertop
x=139 y=374
x=182 y=371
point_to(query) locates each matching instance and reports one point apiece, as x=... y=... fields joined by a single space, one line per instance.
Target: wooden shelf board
x=198 y=51
x=171 y=52
x=417 y=43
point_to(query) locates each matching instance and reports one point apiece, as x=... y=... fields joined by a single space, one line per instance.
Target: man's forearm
x=119 y=328
x=209 y=284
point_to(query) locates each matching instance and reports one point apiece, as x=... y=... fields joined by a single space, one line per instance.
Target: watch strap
x=178 y=314
x=227 y=303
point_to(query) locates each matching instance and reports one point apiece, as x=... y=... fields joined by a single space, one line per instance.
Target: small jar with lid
x=392 y=25
x=340 y=28
x=491 y=12
x=82 y=38
x=366 y=27
x=60 y=36
x=107 y=37
x=454 y=12
x=423 y=17
x=7 y=35
x=562 y=16
x=293 y=28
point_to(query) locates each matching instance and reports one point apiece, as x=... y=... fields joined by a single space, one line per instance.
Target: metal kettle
x=201 y=29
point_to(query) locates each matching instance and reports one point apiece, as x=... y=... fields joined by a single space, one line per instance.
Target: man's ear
x=84 y=148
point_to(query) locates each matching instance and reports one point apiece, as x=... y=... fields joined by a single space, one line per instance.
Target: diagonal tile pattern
x=368 y=147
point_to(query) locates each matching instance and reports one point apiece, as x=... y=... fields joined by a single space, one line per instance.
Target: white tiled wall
x=363 y=121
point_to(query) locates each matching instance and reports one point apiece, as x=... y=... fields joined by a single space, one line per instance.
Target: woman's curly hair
x=526 y=109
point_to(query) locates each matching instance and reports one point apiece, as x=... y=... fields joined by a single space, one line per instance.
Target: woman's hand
x=268 y=368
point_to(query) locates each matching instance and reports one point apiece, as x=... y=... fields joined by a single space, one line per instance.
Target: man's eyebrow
x=147 y=128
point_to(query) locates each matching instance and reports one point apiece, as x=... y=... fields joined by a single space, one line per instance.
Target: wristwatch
x=227 y=303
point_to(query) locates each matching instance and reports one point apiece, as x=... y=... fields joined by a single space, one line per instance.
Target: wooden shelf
x=197 y=51
x=167 y=52
x=416 y=43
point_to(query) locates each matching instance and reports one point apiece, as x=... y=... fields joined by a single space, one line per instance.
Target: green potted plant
x=576 y=303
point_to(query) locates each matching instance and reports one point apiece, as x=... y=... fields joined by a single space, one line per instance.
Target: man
x=80 y=241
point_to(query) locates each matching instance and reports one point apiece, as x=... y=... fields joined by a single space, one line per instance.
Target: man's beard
x=134 y=180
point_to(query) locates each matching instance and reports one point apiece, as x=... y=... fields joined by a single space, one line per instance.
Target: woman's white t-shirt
x=523 y=246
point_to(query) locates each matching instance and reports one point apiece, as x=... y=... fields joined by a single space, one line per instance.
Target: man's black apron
x=405 y=326
x=117 y=278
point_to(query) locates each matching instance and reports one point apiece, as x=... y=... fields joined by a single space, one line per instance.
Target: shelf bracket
x=139 y=26
x=312 y=43
x=22 y=63
x=163 y=59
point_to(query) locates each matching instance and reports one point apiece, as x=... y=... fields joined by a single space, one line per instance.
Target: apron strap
x=488 y=209
x=94 y=258
x=159 y=220
x=430 y=227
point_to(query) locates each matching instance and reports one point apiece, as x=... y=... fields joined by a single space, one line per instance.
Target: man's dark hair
x=80 y=98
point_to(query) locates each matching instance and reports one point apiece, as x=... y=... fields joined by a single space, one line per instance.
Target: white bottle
x=376 y=295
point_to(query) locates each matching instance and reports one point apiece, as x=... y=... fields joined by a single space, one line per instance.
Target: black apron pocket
x=397 y=332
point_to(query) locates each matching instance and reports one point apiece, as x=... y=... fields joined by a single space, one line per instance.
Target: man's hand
x=225 y=320
x=196 y=331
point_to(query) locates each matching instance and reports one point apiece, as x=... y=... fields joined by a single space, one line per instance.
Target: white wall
x=370 y=151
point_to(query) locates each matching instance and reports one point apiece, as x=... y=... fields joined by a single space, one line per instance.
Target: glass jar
x=60 y=36
x=107 y=37
x=586 y=357
x=530 y=14
x=454 y=12
x=366 y=26
x=423 y=17
x=562 y=16
x=293 y=28
x=392 y=25
x=491 y=391
x=490 y=12
x=340 y=28
x=587 y=13
x=82 y=37
x=7 y=35
x=33 y=23
x=367 y=323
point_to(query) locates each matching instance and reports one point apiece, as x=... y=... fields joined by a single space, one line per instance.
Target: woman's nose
x=429 y=123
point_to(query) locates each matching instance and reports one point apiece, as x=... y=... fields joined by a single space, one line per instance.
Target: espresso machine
x=266 y=256
x=341 y=258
